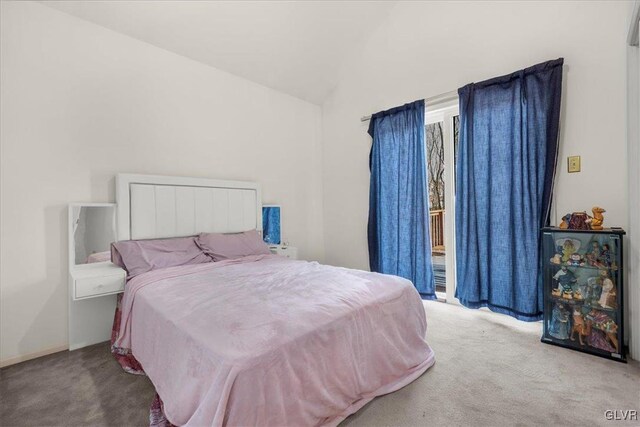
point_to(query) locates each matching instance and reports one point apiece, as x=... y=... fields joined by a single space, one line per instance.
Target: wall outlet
x=573 y=164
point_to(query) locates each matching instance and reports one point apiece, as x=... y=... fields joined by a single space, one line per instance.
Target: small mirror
x=271 y=224
x=92 y=230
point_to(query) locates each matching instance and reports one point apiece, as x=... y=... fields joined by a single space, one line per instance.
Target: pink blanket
x=264 y=340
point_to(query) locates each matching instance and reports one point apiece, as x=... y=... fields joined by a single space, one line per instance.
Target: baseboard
x=13 y=360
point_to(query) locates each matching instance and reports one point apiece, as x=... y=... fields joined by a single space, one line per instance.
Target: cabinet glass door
x=583 y=295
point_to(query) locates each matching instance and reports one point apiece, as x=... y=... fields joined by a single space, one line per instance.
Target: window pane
x=435 y=176
x=435 y=162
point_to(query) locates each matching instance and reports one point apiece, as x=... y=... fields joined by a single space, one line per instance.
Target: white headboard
x=152 y=206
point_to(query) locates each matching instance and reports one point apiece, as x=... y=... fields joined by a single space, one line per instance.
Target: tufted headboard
x=153 y=206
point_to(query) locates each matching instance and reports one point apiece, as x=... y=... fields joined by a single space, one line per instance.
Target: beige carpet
x=490 y=370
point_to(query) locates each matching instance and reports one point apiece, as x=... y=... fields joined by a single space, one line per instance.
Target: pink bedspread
x=269 y=341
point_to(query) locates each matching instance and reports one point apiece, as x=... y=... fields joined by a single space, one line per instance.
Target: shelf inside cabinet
x=583 y=303
x=586 y=266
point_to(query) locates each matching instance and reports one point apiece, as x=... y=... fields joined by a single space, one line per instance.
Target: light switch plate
x=573 y=164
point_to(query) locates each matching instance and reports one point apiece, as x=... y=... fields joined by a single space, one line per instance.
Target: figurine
x=582 y=327
x=565 y=222
x=598 y=339
x=578 y=221
x=557 y=259
x=559 y=327
x=594 y=254
x=565 y=279
x=591 y=293
x=582 y=292
x=608 y=294
x=577 y=295
x=575 y=259
x=568 y=249
x=596 y=221
x=567 y=294
x=605 y=256
x=557 y=292
x=604 y=324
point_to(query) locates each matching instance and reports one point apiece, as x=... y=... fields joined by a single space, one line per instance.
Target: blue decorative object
x=398 y=231
x=560 y=325
x=504 y=175
x=271 y=224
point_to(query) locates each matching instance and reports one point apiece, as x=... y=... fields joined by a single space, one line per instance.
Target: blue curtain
x=398 y=229
x=505 y=169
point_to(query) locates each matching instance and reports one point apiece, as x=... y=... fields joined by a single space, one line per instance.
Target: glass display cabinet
x=583 y=290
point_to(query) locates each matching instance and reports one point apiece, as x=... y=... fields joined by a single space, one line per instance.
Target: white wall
x=425 y=49
x=81 y=103
x=633 y=158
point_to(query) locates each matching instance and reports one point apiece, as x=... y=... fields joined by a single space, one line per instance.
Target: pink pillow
x=229 y=246
x=140 y=256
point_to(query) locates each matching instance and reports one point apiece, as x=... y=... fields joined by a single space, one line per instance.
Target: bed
x=259 y=339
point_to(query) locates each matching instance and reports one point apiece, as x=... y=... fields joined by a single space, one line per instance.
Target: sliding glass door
x=441 y=134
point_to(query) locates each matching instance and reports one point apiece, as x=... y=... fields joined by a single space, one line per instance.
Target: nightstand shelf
x=95 y=280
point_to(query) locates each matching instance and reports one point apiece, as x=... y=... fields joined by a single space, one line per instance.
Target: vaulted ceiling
x=294 y=47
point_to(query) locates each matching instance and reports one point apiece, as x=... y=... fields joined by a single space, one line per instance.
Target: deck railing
x=437 y=228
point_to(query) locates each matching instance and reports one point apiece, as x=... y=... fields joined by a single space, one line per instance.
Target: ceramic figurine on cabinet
x=608 y=294
x=596 y=221
x=557 y=259
x=583 y=221
x=575 y=221
x=565 y=222
x=578 y=221
x=559 y=327
x=582 y=327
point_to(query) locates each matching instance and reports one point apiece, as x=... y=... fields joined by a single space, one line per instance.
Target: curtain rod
x=443 y=97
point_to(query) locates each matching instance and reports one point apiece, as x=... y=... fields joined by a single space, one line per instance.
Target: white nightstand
x=92 y=302
x=285 y=251
x=92 y=285
x=96 y=280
